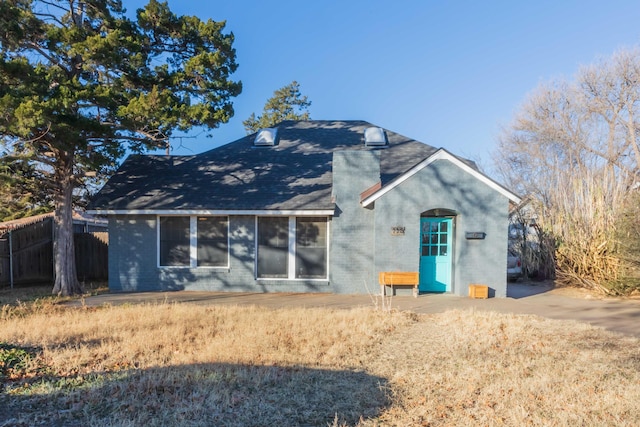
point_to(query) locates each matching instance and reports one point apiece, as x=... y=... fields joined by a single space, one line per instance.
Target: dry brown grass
x=27 y=293
x=483 y=368
x=178 y=364
x=10 y=296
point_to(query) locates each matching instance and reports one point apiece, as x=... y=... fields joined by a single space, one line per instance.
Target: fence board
x=92 y=256
x=32 y=254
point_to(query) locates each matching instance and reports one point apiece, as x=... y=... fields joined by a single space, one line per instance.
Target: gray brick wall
x=479 y=208
x=352 y=232
x=132 y=253
x=133 y=262
x=361 y=243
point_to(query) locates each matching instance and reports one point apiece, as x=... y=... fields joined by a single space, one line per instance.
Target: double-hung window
x=193 y=241
x=213 y=241
x=311 y=248
x=273 y=247
x=175 y=241
x=292 y=248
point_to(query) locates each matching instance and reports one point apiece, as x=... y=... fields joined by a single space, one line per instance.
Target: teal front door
x=435 y=254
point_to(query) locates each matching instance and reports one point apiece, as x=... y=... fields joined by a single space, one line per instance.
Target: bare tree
x=573 y=149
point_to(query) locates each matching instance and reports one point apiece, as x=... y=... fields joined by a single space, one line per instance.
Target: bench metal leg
x=383 y=290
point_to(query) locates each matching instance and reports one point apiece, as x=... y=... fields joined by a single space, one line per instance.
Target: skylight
x=374 y=137
x=266 y=137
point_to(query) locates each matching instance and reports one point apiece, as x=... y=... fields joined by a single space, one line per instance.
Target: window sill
x=287 y=279
x=188 y=267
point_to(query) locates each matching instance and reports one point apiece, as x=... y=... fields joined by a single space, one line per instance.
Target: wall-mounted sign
x=397 y=231
x=475 y=235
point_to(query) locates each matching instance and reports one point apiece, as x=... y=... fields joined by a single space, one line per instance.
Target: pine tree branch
x=49 y=58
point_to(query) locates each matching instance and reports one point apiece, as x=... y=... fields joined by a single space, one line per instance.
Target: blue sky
x=447 y=73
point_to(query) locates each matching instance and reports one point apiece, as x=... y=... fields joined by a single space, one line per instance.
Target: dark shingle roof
x=294 y=174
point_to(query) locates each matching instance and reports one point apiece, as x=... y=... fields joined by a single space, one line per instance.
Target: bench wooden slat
x=399 y=277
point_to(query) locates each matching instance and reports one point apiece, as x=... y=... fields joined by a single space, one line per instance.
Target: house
x=307 y=206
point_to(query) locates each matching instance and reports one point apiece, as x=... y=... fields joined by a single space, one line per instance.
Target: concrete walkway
x=619 y=315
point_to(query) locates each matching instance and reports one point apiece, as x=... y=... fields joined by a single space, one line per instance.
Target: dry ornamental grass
x=180 y=364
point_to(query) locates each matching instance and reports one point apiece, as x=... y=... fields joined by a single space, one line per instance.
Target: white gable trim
x=262 y=212
x=441 y=154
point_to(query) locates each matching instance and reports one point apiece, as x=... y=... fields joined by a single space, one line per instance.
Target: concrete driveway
x=618 y=315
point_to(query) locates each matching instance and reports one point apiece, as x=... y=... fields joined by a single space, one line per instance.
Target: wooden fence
x=92 y=256
x=27 y=255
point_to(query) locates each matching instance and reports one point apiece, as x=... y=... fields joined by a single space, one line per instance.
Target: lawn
x=181 y=364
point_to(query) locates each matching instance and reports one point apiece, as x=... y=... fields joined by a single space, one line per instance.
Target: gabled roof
x=292 y=176
x=376 y=192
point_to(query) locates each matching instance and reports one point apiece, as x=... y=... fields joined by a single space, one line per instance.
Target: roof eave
x=212 y=212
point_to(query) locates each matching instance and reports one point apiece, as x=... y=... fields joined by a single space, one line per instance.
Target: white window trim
x=193 y=244
x=292 y=248
x=291 y=261
x=193 y=241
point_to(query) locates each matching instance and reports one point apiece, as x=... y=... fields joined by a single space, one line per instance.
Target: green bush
x=13 y=359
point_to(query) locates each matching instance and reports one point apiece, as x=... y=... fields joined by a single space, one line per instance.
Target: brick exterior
x=360 y=242
x=352 y=227
x=133 y=262
x=443 y=185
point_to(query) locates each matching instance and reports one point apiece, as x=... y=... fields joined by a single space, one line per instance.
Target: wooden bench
x=398 y=278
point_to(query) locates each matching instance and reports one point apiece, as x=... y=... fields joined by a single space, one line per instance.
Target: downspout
x=10 y=260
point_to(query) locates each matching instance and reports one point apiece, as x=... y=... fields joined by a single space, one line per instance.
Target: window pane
x=443 y=239
x=311 y=248
x=174 y=241
x=213 y=241
x=273 y=247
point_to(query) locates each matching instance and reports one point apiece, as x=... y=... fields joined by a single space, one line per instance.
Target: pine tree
x=81 y=83
x=287 y=103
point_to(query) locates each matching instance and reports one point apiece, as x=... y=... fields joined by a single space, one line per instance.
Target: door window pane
x=213 y=241
x=174 y=241
x=435 y=240
x=311 y=248
x=273 y=247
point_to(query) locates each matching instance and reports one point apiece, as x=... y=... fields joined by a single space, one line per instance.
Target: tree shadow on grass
x=199 y=395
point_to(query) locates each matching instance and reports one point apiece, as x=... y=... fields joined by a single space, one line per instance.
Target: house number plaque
x=397 y=231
